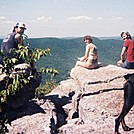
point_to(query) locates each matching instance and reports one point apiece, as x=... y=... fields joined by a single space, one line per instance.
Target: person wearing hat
x=13 y=39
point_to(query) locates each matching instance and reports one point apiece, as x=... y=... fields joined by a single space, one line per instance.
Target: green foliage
x=15 y=82
x=52 y=71
x=42 y=90
x=29 y=56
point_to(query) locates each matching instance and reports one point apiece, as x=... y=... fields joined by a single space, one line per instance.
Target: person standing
x=127 y=53
x=13 y=39
x=90 y=59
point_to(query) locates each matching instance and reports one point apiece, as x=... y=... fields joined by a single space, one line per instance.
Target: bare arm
x=123 y=54
x=86 y=54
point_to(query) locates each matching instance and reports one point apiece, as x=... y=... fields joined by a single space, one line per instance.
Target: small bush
x=13 y=85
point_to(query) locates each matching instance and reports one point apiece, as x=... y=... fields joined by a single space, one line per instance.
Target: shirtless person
x=90 y=59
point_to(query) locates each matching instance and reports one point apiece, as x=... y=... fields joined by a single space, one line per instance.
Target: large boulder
x=97 y=99
x=101 y=74
x=86 y=103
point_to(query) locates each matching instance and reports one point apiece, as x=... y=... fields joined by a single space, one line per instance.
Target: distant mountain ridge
x=65 y=52
x=110 y=37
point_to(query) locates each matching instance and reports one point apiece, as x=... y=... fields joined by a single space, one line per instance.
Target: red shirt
x=129 y=44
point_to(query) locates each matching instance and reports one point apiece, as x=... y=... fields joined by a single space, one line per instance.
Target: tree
x=14 y=83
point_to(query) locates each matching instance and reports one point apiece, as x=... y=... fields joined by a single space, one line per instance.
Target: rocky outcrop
x=27 y=92
x=86 y=103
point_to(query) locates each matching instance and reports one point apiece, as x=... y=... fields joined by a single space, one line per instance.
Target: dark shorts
x=128 y=65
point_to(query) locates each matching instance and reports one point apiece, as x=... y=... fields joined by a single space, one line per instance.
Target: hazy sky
x=63 y=18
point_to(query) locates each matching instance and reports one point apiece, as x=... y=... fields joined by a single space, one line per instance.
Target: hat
x=20 y=24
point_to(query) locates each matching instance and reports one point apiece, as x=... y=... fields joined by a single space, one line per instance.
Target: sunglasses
x=22 y=28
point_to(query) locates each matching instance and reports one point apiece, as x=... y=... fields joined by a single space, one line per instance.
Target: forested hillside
x=65 y=52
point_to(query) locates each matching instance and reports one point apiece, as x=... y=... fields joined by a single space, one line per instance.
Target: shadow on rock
x=29 y=108
x=59 y=103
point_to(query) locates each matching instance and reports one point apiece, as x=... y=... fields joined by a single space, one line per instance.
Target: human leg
x=127 y=65
x=87 y=65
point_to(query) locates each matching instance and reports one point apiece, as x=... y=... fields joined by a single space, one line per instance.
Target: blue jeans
x=128 y=65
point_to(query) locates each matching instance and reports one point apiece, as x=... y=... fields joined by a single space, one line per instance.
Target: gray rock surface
x=86 y=103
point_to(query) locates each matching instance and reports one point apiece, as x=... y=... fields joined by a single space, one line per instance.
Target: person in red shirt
x=127 y=53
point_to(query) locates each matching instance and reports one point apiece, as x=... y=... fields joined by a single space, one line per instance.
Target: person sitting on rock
x=127 y=53
x=90 y=59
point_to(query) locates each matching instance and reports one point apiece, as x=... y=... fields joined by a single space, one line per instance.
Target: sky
x=68 y=18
